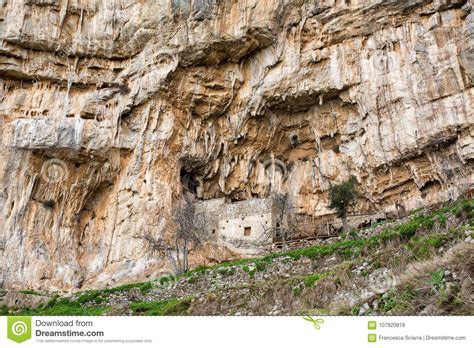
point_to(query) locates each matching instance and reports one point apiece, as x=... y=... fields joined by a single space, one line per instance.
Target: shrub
x=342 y=197
x=437 y=280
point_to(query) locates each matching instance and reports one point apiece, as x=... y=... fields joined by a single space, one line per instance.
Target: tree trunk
x=178 y=260
x=345 y=226
x=185 y=259
x=172 y=258
x=283 y=230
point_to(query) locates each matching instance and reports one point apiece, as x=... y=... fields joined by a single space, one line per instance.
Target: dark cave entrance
x=189 y=182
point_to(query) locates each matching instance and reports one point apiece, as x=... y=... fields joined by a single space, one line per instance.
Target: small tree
x=188 y=232
x=283 y=211
x=342 y=197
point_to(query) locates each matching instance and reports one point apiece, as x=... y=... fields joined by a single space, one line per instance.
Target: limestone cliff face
x=105 y=104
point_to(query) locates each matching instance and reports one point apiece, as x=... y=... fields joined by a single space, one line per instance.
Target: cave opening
x=294 y=140
x=430 y=187
x=189 y=181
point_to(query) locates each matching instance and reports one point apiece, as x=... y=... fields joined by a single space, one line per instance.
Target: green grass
x=192 y=279
x=310 y=280
x=100 y=296
x=460 y=208
x=389 y=302
x=407 y=300
x=441 y=218
x=379 y=223
x=164 y=280
x=167 y=307
x=4 y=310
x=198 y=270
x=29 y=292
x=251 y=272
x=297 y=291
x=408 y=294
x=64 y=307
x=226 y=271
x=398 y=301
x=143 y=287
x=314 y=252
x=424 y=246
x=405 y=232
x=93 y=295
x=85 y=303
x=437 y=279
x=458 y=302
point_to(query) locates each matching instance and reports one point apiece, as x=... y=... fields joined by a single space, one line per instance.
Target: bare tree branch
x=284 y=226
x=188 y=231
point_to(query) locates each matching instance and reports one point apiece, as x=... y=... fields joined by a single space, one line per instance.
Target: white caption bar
x=236 y=332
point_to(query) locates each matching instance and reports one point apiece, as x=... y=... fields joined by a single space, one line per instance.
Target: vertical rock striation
x=105 y=104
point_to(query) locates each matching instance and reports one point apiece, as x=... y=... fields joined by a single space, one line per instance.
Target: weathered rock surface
x=104 y=103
